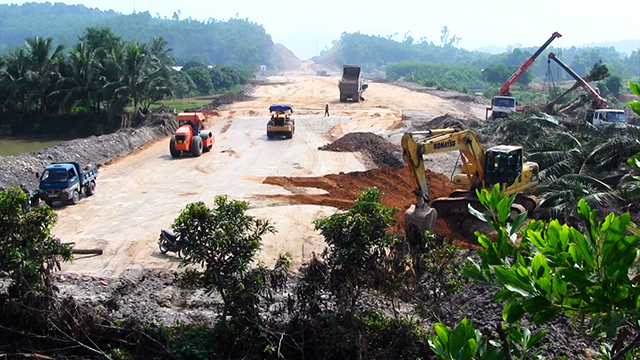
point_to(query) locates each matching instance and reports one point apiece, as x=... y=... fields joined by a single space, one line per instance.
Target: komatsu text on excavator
x=502 y=164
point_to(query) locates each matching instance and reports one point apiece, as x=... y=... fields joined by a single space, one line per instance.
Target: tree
x=79 y=81
x=223 y=242
x=614 y=84
x=41 y=71
x=357 y=243
x=100 y=38
x=549 y=269
x=200 y=76
x=28 y=251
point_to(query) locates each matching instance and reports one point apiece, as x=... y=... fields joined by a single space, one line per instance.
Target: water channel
x=13 y=146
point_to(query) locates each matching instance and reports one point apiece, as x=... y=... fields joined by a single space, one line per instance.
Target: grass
x=185 y=104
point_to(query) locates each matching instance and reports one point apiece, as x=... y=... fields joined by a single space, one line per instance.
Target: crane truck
x=598 y=114
x=504 y=103
x=502 y=164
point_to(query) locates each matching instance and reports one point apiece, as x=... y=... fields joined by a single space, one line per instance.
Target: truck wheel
x=91 y=188
x=270 y=135
x=75 y=197
x=196 y=146
x=289 y=135
x=172 y=148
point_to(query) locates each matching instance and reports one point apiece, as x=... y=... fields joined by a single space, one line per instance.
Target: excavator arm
x=438 y=141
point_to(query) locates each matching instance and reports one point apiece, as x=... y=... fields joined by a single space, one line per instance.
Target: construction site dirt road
x=143 y=192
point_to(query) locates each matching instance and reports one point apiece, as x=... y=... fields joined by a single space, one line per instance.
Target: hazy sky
x=306 y=27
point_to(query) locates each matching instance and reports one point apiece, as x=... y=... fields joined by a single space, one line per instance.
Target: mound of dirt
x=444 y=121
x=378 y=151
x=342 y=189
x=225 y=99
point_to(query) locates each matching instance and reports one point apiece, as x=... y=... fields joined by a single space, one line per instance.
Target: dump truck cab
x=66 y=181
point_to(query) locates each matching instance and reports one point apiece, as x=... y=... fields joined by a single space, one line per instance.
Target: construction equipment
x=66 y=181
x=502 y=164
x=281 y=123
x=188 y=137
x=503 y=104
x=598 y=114
x=351 y=84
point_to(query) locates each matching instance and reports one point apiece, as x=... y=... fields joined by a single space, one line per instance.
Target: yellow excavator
x=502 y=164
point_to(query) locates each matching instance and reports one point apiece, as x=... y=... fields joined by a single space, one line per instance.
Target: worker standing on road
x=326 y=109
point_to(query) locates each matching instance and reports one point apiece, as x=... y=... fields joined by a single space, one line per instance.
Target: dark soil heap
x=374 y=147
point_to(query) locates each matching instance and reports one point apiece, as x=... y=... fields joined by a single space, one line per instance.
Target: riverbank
x=15 y=170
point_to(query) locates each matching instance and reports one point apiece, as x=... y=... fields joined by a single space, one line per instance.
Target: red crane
x=505 y=103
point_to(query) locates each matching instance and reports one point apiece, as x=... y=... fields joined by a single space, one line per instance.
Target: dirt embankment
x=15 y=170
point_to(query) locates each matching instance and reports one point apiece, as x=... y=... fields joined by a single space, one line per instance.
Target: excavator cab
x=503 y=165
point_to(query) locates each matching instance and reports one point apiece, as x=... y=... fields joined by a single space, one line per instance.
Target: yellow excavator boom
x=480 y=169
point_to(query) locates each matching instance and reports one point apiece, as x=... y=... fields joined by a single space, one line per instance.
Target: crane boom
x=504 y=103
x=598 y=100
x=504 y=90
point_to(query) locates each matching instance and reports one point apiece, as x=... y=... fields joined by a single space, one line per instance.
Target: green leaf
x=536 y=304
x=504 y=209
x=577 y=277
x=478 y=214
x=512 y=311
x=512 y=282
x=586 y=249
x=544 y=316
x=559 y=287
x=536 y=337
x=443 y=332
x=635 y=88
x=540 y=267
x=518 y=222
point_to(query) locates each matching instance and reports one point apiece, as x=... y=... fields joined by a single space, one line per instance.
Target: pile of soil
x=372 y=146
x=224 y=99
x=391 y=178
x=15 y=170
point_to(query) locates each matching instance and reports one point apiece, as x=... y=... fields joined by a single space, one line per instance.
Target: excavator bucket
x=421 y=217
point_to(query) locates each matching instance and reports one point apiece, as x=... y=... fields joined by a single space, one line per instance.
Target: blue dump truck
x=66 y=181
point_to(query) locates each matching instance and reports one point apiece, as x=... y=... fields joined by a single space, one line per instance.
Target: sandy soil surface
x=143 y=192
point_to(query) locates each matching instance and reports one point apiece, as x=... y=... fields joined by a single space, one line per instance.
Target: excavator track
x=528 y=202
x=458 y=206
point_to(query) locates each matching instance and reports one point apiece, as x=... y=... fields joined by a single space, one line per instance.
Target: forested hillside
x=447 y=66
x=235 y=42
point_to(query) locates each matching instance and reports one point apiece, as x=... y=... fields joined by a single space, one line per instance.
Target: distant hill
x=235 y=42
x=622 y=46
x=492 y=49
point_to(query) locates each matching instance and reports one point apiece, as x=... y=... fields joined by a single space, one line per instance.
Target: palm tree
x=80 y=80
x=13 y=67
x=41 y=72
x=585 y=165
